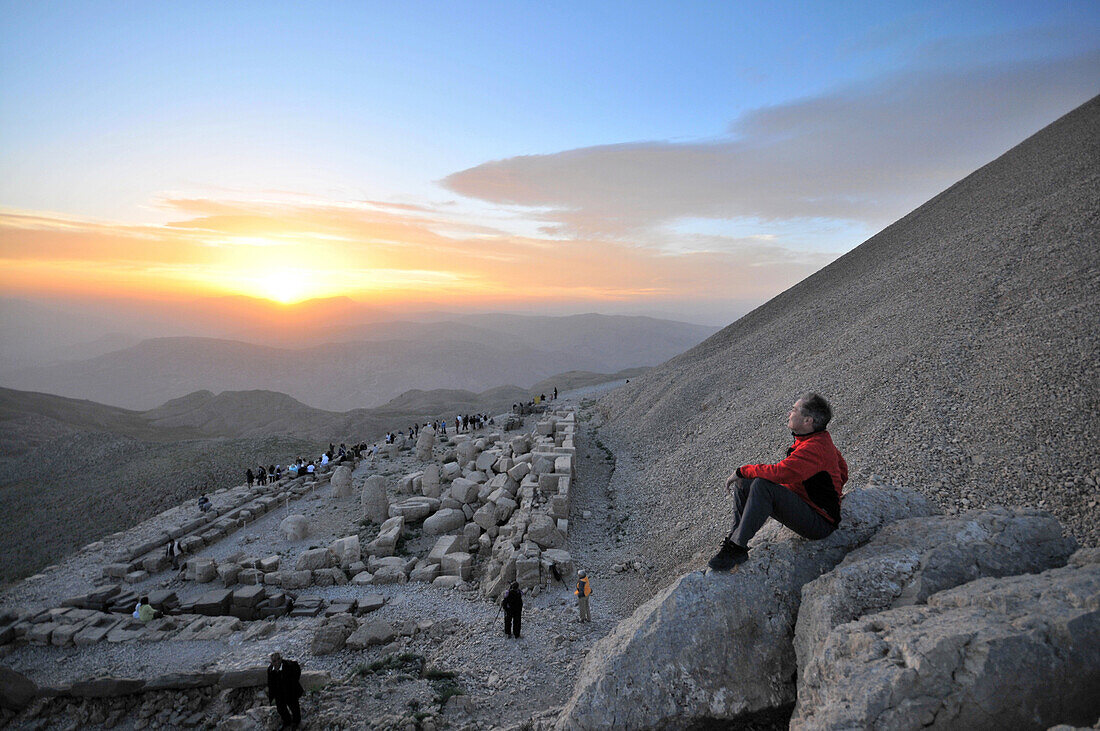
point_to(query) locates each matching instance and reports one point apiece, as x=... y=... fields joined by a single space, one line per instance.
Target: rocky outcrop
x=1016 y=652
x=910 y=560
x=720 y=646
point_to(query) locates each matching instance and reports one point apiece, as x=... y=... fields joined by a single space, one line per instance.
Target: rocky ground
x=455 y=644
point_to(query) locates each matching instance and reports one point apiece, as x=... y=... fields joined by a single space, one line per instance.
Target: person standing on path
x=249 y=476
x=583 y=590
x=284 y=688
x=513 y=610
x=802 y=491
x=173 y=553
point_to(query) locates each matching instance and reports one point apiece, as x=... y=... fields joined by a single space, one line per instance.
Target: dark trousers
x=511 y=624
x=754 y=501
x=289 y=710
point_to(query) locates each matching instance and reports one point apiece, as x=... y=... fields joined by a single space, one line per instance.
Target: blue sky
x=562 y=120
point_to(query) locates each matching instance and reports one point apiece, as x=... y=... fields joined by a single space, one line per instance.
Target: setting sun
x=283 y=285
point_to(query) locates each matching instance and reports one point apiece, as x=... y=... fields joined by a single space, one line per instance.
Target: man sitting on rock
x=802 y=491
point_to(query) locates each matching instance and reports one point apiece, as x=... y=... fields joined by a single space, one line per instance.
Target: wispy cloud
x=867 y=153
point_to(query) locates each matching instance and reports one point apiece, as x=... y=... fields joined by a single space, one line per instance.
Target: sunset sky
x=682 y=159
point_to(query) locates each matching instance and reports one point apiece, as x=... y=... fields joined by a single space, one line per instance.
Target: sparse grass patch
x=407 y=662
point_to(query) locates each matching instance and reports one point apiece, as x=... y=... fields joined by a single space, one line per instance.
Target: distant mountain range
x=368 y=364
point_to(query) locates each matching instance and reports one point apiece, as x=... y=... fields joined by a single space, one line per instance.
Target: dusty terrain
x=502 y=681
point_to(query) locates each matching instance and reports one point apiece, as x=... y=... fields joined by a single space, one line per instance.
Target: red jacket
x=814 y=470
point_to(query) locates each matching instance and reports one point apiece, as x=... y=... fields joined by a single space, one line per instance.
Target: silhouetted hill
x=365 y=373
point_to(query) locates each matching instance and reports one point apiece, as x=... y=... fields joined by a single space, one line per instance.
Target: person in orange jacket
x=802 y=491
x=583 y=590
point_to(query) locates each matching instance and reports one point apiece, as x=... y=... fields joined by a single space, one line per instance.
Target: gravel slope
x=958 y=347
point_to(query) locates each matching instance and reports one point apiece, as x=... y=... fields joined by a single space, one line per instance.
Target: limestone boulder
x=346 y=550
x=295 y=527
x=1013 y=652
x=315 y=558
x=486 y=516
x=333 y=634
x=457 y=564
x=543 y=530
x=719 y=648
x=445 y=545
x=375 y=503
x=388 y=535
x=910 y=560
x=429 y=482
x=464 y=490
x=445 y=520
x=415 y=509
x=373 y=632
x=425 y=443
x=341 y=481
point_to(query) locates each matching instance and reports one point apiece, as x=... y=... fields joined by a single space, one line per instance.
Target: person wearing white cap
x=584 y=589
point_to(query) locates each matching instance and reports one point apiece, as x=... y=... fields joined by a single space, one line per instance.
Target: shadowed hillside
x=958 y=347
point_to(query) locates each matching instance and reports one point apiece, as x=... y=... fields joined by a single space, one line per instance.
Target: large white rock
x=910 y=560
x=294 y=527
x=716 y=648
x=998 y=653
x=429 y=483
x=446 y=520
x=543 y=530
x=346 y=550
x=424 y=444
x=388 y=534
x=341 y=481
x=376 y=505
x=415 y=509
x=315 y=558
x=463 y=490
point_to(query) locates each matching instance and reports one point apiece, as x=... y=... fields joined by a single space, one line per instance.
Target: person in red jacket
x=802 y=491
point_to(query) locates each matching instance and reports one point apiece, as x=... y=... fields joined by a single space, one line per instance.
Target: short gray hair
x=817 y=408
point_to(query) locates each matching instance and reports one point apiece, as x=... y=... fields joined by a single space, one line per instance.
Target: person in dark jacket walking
x=513 y=610
x=801 y=491
x=284 y=687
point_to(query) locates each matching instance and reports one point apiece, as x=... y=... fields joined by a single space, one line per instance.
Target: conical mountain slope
x=958 y=348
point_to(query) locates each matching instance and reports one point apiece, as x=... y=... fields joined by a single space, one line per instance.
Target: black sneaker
x=729 y=556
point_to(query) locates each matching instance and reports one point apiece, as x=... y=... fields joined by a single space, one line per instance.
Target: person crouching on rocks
x=801 y=491
x=513 y=610
x=284 y=687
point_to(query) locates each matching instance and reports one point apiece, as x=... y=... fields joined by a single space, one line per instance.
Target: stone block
x=445 y=520
x=457 y=564
x=269 y=564
x=296 y=579
x=426 y=573
x=373 y=632
x=315 y=558
x=250 y=577
x=445 y=545
x=229 y=573
x=464 y=490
